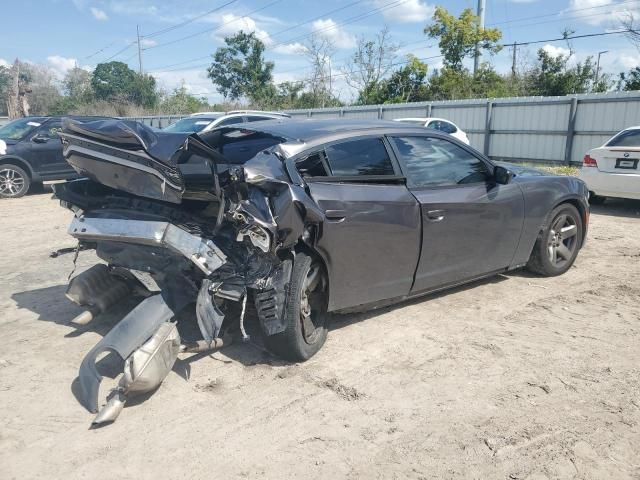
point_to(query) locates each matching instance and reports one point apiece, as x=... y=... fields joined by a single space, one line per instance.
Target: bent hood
x=129 y=156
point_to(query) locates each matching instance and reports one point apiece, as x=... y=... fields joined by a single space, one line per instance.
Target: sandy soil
x=516 y=377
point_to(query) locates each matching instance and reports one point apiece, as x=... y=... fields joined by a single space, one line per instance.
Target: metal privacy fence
x=554 y=130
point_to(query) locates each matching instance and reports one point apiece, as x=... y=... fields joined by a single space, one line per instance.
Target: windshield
x=189 y=125
x=19 y=128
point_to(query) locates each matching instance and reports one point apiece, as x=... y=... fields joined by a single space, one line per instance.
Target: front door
x=471 y=225
x=371 y=238
x=46 y=152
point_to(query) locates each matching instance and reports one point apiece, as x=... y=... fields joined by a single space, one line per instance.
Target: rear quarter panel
x=542 y=194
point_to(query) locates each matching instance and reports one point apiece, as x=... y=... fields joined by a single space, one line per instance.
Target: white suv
x=613 y=169
x=205 y=121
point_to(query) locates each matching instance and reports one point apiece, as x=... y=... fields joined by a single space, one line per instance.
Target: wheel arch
x=18 y=162
x=582 y=210
x=316 y=254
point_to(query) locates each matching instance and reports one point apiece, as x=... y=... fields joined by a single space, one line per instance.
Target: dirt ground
x=516 y=377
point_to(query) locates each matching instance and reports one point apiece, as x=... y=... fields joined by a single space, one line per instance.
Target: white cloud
x=195 y=81
x=290 y=49
x=554 y=51
x=148 y=42
x=98 y=14
x=231 y=24
x=628 y=61
x=4 y=63
x=601 y=12
x=407 y=12
x=332 y=32
x=61 y=65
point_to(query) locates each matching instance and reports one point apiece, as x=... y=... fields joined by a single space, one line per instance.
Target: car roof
x=309 y=130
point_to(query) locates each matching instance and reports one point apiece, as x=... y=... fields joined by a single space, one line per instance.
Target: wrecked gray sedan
x=289 y=221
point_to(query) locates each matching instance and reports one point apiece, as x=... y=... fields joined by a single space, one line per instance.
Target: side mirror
x=503 y=175
x=40 y=139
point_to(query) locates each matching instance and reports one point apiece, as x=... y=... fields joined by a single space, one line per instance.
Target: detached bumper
x=202 y=252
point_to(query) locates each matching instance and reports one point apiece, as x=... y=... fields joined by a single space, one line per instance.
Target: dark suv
x=31 y=152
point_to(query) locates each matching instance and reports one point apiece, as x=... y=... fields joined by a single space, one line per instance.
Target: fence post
x=309 y=113
x=487 y=128
x=341 y=113
x=571 y=128
x=428 y=110
x=379 y=113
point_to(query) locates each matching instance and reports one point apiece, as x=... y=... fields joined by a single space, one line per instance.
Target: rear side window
x=442 y=126
x=229 y=121
x=255 y=118
x=628 y=138
x=433 y=162
x=312 y=166
x=367 y=156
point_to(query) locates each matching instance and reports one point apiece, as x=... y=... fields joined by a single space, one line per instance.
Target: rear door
x=371 y=238
x=621 y=154
x=471 y=225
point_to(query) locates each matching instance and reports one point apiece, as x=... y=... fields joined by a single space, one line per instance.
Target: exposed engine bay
x=183 y=222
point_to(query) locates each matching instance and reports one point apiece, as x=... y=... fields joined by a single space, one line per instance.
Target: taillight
x=589 y=161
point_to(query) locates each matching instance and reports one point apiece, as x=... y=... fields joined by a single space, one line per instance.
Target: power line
x=306 y=22
x=348 y=21
x=100 y=51
x=122 y=50
x=187 y=22
x=186 y=37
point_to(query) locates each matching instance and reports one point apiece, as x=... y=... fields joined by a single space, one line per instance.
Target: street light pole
x=598 y=66
x=476 y=59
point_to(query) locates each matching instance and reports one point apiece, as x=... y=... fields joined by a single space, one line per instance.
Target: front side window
x=367 y=156
x=50 y=130
x=628 y=138
x=433 y=162
x=20 y=128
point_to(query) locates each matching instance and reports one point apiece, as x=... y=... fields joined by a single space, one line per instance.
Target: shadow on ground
x=618 y=207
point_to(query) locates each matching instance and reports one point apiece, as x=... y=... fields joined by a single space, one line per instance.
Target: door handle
x=435 y=215
x=335 y=215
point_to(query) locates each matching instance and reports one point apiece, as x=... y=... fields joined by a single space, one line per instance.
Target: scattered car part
x=144 y=370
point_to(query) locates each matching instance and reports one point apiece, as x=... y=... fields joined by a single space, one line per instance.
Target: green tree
x=630 y=80
x=5 y=78
x=115 y=81
x=552 y=75
x=457 y=37
x=450 y=84
x=180 y=102
x=240 y=70
x=407 y=84
x=77 y=85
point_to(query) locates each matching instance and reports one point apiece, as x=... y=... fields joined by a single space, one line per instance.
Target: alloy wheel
x=12 y=183
x=563 y=240
x=311 y=298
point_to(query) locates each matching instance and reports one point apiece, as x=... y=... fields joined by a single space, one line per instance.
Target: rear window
x=627 y=138
x=189 y=125
x=367 y=156
x=238 y=145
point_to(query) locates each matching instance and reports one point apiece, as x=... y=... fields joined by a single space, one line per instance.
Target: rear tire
x=14 y=181
x=558 y=243
x=305 y=313
x=596 y=199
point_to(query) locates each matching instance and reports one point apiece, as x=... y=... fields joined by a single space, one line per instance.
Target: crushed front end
x=181 y=227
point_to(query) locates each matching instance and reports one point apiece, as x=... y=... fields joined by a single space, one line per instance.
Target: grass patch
x=561 y=170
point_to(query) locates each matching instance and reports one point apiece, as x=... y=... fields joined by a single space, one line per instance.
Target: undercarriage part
x=209 y=315
x=144 y=370
x=202 y=252
x=205 y=346
x=131 y=332
x=99 y=288
x=270 y=301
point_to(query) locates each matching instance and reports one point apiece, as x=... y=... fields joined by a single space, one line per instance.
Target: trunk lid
x=617 y=159
x=131 y=157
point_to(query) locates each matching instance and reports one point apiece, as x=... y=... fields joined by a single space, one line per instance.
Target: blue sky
x=62 y=33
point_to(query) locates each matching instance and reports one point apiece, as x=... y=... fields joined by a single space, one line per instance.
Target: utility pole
x=513 y=64
x=139 y=49
x=595 y=83
x=476 y=59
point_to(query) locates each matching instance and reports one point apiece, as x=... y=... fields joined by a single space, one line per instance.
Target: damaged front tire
x=305 y=313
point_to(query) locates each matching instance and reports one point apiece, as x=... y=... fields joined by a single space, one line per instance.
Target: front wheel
x=305 y=312
x=14 y=181
x=558 y=243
